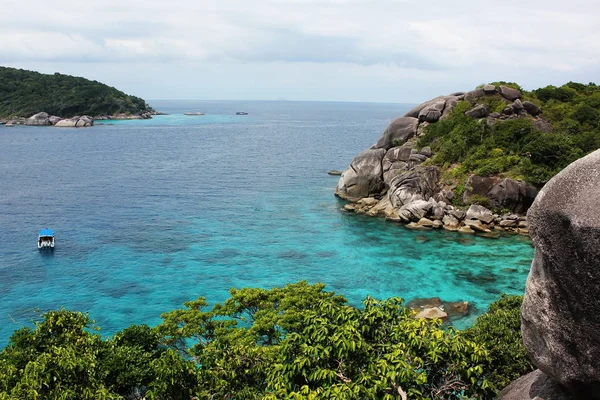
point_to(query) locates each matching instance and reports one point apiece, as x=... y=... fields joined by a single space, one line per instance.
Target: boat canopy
x=46 y=232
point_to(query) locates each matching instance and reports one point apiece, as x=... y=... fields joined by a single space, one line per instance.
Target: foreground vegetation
x=24 y=93
x=515 y=148
x=297 y=342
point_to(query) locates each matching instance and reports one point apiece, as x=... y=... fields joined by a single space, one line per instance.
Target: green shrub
x=499 y=331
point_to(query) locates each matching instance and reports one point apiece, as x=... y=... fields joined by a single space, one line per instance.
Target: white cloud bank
x=323 y=43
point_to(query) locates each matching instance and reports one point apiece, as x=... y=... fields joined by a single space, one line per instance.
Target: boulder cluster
x=435 y=308
x=43 y=119
x=559 y=318
x=389 y=180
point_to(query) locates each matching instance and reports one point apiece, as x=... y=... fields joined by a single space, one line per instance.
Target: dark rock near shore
x=364 y=178
x=335 y=172
x=560 y=319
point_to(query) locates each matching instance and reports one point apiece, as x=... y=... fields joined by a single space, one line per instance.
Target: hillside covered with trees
x=296 y=342
x=24 y=93
x=518 y=148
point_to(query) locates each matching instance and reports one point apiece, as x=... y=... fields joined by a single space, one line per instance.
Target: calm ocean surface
x=150 y=214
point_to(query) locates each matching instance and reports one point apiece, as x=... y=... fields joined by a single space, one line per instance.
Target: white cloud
x=381 y=38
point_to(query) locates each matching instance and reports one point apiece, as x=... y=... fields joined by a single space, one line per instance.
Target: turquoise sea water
x=149 y=214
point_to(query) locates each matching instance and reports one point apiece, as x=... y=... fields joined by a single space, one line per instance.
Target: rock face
x=560 y=318
x=363 y=178
x=38 y=119
x=535 y=386
x=75 y=122
x=397 y=132
x=394 y=171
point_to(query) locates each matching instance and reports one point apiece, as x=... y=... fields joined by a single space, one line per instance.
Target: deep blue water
x=149 y=214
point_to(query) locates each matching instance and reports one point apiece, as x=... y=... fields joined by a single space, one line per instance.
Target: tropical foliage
x=24 y=93
x=516 y=148
x=296 y=342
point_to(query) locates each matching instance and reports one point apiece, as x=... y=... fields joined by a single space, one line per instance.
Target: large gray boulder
x=560 y=318
x=481 y=213
x=363 y=178
x=397 y=132
x=531 y=108
x=516 y=196
x=535 y=386
x=479 y=111
x=75 y=122
x=419 y=183
x=509 y=93
x=432 y=112
x=38 y=119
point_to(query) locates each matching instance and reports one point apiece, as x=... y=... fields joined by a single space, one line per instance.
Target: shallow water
x=149 y=214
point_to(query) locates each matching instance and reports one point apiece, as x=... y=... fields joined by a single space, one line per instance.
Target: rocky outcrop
x=364 y=178
x=397 y=132
x=560 y=319
x=506 y=193
x=75 y=122
x=392 y=171
x=536 y=386
x=39 y=119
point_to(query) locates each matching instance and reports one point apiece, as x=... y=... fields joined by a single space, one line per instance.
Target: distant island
x=25 y=93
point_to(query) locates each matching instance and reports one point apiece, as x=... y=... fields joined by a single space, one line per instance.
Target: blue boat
x=46 y=239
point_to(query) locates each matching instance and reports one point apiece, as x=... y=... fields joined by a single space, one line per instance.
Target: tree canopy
x=297 y=342
x=24 y=93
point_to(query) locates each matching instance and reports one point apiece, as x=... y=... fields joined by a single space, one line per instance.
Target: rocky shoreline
x=392 y=179
x=44 y=119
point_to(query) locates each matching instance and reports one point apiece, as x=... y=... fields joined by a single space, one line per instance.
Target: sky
x=398 y=51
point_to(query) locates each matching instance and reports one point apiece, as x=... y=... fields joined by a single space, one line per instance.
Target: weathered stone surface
x=450 y=223
x=363 y=178
x=466 y=229
x=75 y=122
x=474 y=95
x=433 y=111
x=38 y=119
x=425 y=222
x=66 y=123
x=417 y=209
x=542 y=125
x=479 y=111
x=489 y=89
x=457 y=309
x=535 y=386
x=517 y=106
x=432 y=313
x=417 y=184
x=508 y=110
x=507 y=223
x=531 y=108
x=560 y=318
x=509 y=93
x=397 y=133
x=437 y=224
x=426 y=151
x=476 y=225
x=516 y=196
x=54 y=119
x=421 y=303
x=481 y=213
x=417 y=158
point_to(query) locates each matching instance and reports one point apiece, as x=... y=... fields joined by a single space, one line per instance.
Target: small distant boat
x=241 y=113
x=194 y=113
x=46 y=239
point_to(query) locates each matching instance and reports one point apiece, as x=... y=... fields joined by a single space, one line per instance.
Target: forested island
x=25 y=93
